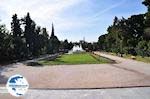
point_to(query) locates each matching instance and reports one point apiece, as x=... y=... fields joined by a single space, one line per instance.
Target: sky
x=72 y=19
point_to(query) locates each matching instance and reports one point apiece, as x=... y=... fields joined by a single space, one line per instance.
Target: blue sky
x=73 y=19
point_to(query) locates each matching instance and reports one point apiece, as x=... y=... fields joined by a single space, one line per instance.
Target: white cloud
x=36 y=7
x=42 y=11
x=46 y=11
x=89 y=20
x=109 y=9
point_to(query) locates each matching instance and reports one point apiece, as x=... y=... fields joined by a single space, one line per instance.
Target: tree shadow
x=5 y=68
x=60 y=61
x=34 y=64
x=3 y=78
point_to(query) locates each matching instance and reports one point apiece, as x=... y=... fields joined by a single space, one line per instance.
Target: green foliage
x=26 y=40
x=147 y=3
x=147 y=20
x=90 y=46
x=142 y=48
x=54 y=44
x=6 y=46
x=19 y=49
x=65 y=46
x=148 y=49
x=126 y=36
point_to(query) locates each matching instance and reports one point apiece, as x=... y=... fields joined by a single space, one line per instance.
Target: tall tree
x=46 y=38
x=29 y=33
x=52 y=33
x=18 y=44
x=54 y=43
x=15 y=26
x=125 y=35
x=147 y=20
x=147 y=3
x=6 y=47
x=43 y=41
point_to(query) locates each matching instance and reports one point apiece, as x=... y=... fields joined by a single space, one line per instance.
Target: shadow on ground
x=3 y=78
x=36 y=64
x=5 y=68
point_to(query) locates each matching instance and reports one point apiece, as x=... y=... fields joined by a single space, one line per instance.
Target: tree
x=45 y=36
x=102 y=42
x=142 y=48
x=42 y=40
x=123 y=36
x=29 y=34
x=115 y=21
x=65 y=46
x=95 y=46
x=52 y=33
x=18 y=44
x=147 y=20
x=70 y=46
x=148 y=49
x=147 y=3
x=54 y=43
x=6 y=47
x=27 y=42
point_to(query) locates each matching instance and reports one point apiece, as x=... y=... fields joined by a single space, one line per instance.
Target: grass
x=138 y=58
x=76 y=58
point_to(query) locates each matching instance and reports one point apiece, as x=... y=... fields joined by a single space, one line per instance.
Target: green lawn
x=138 y=58
x=78 y=58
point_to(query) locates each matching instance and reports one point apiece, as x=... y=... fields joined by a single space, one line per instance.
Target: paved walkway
x=128 y=64
x=125 y=73
x=123 y=93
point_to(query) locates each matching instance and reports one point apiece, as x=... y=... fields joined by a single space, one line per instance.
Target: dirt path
x=125 y=73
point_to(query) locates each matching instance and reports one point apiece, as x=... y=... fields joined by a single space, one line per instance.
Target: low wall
x=48 y=57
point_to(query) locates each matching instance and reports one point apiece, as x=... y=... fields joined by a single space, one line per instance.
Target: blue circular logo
x=17 y=85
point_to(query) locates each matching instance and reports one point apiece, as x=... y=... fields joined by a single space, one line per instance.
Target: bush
x=142 y=48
